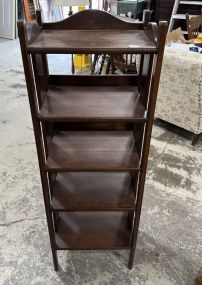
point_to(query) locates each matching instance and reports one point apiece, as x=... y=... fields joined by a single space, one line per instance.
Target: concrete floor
x=169 y=248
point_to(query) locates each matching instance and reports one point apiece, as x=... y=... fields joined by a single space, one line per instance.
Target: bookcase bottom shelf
x=92 y=230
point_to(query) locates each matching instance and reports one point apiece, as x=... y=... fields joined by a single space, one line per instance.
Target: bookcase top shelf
x=92 y=31
x=96 y=41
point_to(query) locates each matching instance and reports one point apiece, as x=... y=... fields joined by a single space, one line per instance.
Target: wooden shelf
x=92 y=230
x=93 y=41
x=99 y=103
x=92 y=132
x=93 y=192
x=96 y=151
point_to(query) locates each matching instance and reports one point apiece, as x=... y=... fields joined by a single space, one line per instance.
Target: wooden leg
x=130 y=218
x=108 y=65
x=131 y=213
x=55 y=220
x=70 y=11
x=73 y=68
x=195 y=139
x=94 y=63
x=112 y=64
x=55 y=259
x=135 y=234
x=198 y=280
x=138 y=207
x=102 y=63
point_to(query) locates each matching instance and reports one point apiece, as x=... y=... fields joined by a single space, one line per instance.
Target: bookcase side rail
x=156 y=71
x=37 y=132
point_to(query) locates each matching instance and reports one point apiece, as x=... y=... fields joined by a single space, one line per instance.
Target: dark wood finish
x=93 y=192
x=146 y=144
x=39 y=17
x=163 y=10
x=92 y=19
x=93 y=126
x=79 y=41
x=38 y=134
x=195 y=139
x=93 y=151
x=94 y=31
x=99 y=103
x=41 y=72
x=87 y=230
x=79 y=160
x=93 y=80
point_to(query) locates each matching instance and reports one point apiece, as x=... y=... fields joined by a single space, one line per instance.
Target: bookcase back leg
x=134 y=182
x=146 y=65
x=41 y=73
x=138 y=132
x=147 y=137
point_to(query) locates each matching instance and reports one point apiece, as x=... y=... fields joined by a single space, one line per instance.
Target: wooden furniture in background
x=125 y=63
x=194 y=26
x=92 y=132
x=29 y=8
x=163 y=10
x=179 y=16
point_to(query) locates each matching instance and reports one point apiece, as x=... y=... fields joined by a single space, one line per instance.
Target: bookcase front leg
x=55 y=259
x=46 y=189
x=137 y=219
x=147 y=137
x=134 y=182
x=38 y=136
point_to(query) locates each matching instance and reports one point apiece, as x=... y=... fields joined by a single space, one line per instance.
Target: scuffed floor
x=169 y=248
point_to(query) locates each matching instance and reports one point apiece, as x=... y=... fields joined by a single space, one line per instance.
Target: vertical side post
x=151 y=108
x=38 y=135
x=39 y=17
x=146 y=16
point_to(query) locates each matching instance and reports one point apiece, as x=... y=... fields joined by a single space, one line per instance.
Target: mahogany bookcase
x=92 y=132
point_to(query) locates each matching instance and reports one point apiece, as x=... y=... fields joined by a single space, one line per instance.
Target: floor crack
x=166 y=257
x=21 y=220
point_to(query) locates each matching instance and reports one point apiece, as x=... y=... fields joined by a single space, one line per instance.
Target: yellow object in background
x=199 y=36
x=81 y=8
x=198 y=40
x=81 y=60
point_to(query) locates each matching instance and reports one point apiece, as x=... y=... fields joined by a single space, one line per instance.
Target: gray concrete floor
x=169 y=248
